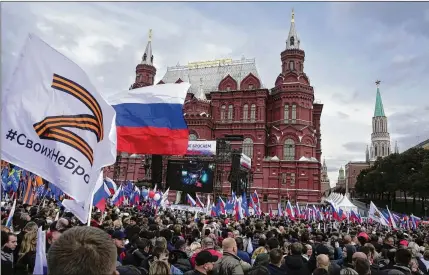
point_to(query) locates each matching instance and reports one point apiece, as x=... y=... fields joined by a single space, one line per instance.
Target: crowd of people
x=136 y=240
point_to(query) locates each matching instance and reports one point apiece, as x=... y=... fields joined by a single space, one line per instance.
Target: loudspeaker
x=156 y=170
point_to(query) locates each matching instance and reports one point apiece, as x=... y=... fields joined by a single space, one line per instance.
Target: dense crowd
x=139 y=241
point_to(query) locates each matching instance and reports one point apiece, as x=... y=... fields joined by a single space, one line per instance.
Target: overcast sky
x=348 y=46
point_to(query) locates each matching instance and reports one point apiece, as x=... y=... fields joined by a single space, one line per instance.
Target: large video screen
x=190 y=175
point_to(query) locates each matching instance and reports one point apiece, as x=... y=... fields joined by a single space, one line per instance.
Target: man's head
x=118 y=238
x=133 y=221
x=347 y=239
x=389 y=241
x=369 y=251
x=62 y=225
x=207 y=243
x=362 y=266
x=82 y=250
x=358 y=255
x=296 y=249
x=229 y=245
x=403 y=257
x=323 y=261
x=240 y=244
x=180 y=244
x=272 y=243
x=276 y=256
x=205 y=260
x=9 y=240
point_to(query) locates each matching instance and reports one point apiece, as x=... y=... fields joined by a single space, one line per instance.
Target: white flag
x=54 y=122
x=82 y=210
x=41 y=264
x=376 y=215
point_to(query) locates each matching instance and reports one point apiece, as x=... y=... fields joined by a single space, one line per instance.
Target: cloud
x=354 y=146
x=410 y=128
x=343 y=115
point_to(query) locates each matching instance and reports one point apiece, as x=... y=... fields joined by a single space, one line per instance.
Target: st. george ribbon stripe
x=59 y=136
x=68 y=86
x=53 y=127
x=85 y=122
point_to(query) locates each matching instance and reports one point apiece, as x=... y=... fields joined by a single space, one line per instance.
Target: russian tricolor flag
x=150 y=120
x=136 y=196
x=289 y=210
x=221 y=206
x=191 y=201
x=118 y=198
x=100 y=197
x=199 y=202
x=111 y=185
x=214 y=211
x=238 y=211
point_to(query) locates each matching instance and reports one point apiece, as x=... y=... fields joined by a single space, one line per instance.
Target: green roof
x=379 y=110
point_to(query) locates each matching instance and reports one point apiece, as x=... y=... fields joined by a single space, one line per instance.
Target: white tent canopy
x=347 y=205
x=341 y=202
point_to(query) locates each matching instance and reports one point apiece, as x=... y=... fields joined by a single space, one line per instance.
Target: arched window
x=292 y=41
x=289 y=150
x=222 y=113
x=376 y=151
x=245 y=112
x=382 y=150
x=253 y=112
x=286 y=114
x=193 y=137
x=291 y=66
x=248 y=147
x=230 y=112
x=293 y=113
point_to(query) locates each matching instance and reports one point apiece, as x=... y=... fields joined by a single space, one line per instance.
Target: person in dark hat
x=204 y=263
x=119 y=241
x=178 y=256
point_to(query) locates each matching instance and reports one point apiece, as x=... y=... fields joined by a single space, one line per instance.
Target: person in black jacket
x=276 y=257
x=139 y=253
x=294 y=263
x=8 y=246
x=178 y=256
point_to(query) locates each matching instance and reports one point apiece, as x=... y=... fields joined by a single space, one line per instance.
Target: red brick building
x=280 y=124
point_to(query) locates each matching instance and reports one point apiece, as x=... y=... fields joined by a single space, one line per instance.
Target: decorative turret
x=379 y=110
x=200 y=93
x=292 y=41
x=367 y=154
x=293 y=56
x=145 y=71
x=325 y=184
x=396 y=148
x=324 y=167
x=380 y=137
x=341 y=175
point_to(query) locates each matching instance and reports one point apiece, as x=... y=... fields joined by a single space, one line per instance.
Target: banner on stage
x=201 y=148
x=245 y=161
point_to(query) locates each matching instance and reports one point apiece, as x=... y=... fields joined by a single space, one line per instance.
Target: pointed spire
x=200 y=93
x=147 y=58
x=379 y=110
x=292 y=40
x=367 y=154
x=396 y=147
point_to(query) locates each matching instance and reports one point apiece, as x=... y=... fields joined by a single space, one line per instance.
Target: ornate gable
x=228 y=84
x=250 y=82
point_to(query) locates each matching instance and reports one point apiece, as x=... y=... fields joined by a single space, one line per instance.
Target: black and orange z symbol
x=54 y=127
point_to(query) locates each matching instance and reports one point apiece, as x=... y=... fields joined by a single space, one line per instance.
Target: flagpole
x=90 y=209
